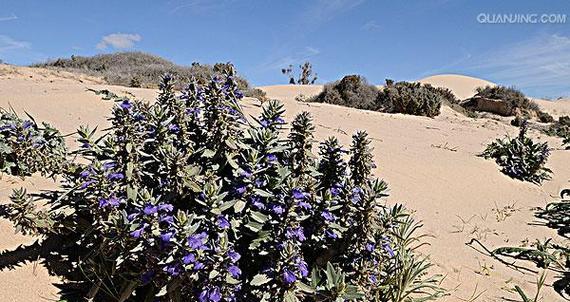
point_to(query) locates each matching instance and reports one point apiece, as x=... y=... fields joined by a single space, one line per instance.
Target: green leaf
x=259 y=279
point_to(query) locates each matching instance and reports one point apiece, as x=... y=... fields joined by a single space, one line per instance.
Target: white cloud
x=371 y=26
x=297 y=57
x=9 y=18
x=541 y=64
x=8 y=43
x=119 y=41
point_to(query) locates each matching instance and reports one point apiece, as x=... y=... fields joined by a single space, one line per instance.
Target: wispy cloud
x=119 y=41
x=297 y=57
x=8 y=18
x=199 y=6
x=540 y=64
x=7 y=43
x=371 y=26
x=323 y=11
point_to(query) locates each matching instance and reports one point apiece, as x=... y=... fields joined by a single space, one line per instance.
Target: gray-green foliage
x=26 y=147
x=520 y=157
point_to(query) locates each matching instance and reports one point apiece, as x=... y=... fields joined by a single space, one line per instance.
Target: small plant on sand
x=520 y=157
x=185 y=199
x=306 y=75
x=561 y=128
x=26 y=147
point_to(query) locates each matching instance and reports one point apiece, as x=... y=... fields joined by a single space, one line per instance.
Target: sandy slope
x=430 y=164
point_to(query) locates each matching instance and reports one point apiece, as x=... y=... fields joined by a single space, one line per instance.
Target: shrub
x=257 y=93
x=185 y=200
x=306 y=75
x=515 y=98
x=352 y=91
x=410 y=98
x=561 y=128
x=122 y=68
x=520 y=157
x=26 y=147
x=545 y=117
x=135 y=82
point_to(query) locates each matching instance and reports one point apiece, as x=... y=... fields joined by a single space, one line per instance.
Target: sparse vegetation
x=561 y=128
x=138 y=69
x=27 y=148
x=184 y=200
x=520 y=157
x=306 y=75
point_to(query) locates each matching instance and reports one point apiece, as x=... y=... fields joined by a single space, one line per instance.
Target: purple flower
x=238 y=94
x=288 y=276
x=240 y=189
x=215 y=295
x=356 y=195
x=196 y=241
x=388 y=249
x=303 y=269
x=86 y=184
x=166 y=218
x=234 y=256
x=150 y=209
x=189 y=258
x=260 y=183
x=328 y=216
x=295 y=233
x=335 y=191
x=115 y=176
x=166 y=236
x=256 y=202
x=370 y=247
x=173 y=128
x=132 y=216
x=373 y=278
x=193 y=111
x=172 y=269
x=331 y=234
x=198 y=266
x=166 y=207
x=27 y=124
x=223 y=222
x=264 y=123
x=111 y=201
x=138 y=232
x=126 y=105
x=203 y=297
x=271 y=157
x=234 y=271
x=298 y=194
x=277 y=209
x=246 y=174
x=147 y=277
x=305 y=205
x=108 y=165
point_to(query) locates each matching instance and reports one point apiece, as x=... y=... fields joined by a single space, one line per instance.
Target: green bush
x=561 y=128
x=26 y=147
x=515 y=98
x=520 y=157
x=411 y=98
x=545 y=117
x=351 y=91
x=184 y=199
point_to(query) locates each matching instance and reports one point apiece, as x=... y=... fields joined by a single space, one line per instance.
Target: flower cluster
x=26 y=147
x=186 y=199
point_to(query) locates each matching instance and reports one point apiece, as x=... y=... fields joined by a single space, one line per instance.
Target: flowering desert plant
x=520 y=157
x=26 y=147
x=187 y=200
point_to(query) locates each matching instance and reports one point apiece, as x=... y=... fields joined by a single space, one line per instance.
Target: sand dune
x=430 y=165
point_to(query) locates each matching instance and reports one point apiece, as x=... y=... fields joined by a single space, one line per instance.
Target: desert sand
x=431 y=166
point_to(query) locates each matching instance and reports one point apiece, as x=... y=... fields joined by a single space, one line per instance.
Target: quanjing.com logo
x=487 y=18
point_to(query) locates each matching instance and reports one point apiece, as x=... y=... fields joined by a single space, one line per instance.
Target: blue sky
x=402 y=40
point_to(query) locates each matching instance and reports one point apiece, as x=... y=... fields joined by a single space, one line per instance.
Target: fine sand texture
x=431 y=165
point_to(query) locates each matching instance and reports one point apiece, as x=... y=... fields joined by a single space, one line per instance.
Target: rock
x=495 y=106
